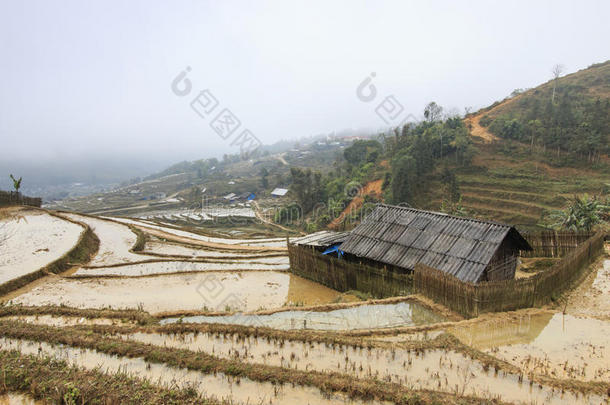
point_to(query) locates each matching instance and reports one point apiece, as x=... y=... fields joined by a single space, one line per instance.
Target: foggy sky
x=92 y=78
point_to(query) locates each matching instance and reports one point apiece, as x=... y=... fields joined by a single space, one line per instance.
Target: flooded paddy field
x=591 y=298
x=174 y=249
x=239 y=390
x=187 y=279
x=168 y=267
x=168 y=230
x=356 y=317
x=199 y=215
x=31 y=239
x=116 y=241
x=52 y=320
x=433 y=369
x=213 y=291
x=561 y=346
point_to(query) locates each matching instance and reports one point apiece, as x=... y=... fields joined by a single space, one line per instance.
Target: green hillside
x=568 y=116
x=530 y=158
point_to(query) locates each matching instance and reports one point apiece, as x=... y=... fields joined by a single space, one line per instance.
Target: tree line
x=407 y=158
x=571 y=125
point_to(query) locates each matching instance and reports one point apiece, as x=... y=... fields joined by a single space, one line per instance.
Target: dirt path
x=478 y=130
x=259 y=215
x=371 y=188
x=281 y=159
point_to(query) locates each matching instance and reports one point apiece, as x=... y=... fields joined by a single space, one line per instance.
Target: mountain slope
x=569 y=116
x=520 y=179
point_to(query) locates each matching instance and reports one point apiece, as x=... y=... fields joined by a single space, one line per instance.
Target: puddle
x=440 y=370
x=359 y=317
x=214 y=291
x=561 y=346
x=221 y=386
x=18 y=399
x=51 y=320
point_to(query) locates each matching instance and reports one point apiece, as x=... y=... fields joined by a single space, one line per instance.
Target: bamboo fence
x=553 y=243
x=473 y=299
x=15 y=198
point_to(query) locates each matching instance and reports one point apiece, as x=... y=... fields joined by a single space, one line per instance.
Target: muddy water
x=558 y=345
x=360 y=317
x=169 y=267
x=215 y=291
x=434 y=369
x=65 y=320
x=591 y=297
x=18 y=399
x=238 y=390
x=243 y=291
x=306 y=292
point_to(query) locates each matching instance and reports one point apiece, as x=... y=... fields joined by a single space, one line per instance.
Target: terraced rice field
x=32 y=239
x=203 y=318
x=352 y=318
x=116 y=241
x=560 y=345
x=217 y=386
x=434 y=369
x=517 y=190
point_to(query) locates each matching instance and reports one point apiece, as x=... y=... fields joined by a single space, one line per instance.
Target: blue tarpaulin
x=334 y=249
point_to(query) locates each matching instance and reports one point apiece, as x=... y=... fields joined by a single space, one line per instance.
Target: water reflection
x=501 y=332
x=360 y=317
x=562 y=346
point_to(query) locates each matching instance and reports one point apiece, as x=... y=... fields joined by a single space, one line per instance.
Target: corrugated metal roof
x=279 y=192
x=322 y=238
x=403 y=237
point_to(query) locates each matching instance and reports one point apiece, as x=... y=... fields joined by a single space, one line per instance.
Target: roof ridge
x=443 y=214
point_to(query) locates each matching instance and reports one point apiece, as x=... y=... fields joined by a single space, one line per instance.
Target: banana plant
x=582 y=213
x=16 y=183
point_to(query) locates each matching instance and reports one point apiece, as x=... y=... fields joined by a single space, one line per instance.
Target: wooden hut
x=470 y=249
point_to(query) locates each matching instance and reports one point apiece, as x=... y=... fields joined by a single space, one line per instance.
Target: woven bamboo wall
x=343 y=275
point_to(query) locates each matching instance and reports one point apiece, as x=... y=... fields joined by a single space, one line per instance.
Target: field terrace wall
x=15 y=198
x=87 y=245
x=472 y=300
x=343 y=275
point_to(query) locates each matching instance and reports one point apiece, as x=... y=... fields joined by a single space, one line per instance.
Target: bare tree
x=557 y=71
x=433 y=112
